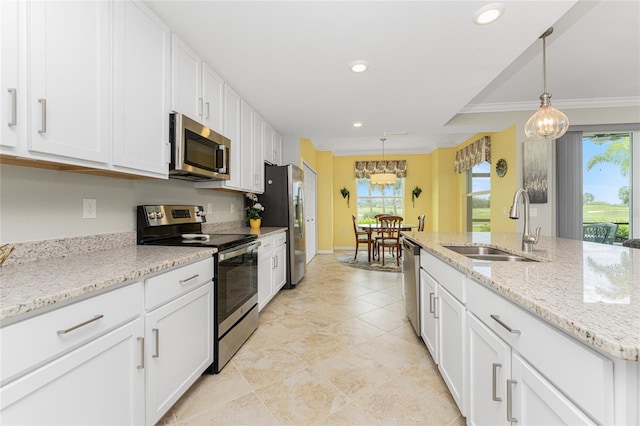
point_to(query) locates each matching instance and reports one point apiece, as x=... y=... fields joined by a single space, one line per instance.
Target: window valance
x=364 y=169
x=472 y=154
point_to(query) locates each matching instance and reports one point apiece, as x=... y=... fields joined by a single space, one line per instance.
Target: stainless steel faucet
x=528 y=240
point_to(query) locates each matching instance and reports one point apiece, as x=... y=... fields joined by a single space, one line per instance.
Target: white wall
x=37 y=204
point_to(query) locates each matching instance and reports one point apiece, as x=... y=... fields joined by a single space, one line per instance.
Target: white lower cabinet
x=179 y=347
x=86 y=369
x=451 y=330
x=428 y=316
x=272 y=267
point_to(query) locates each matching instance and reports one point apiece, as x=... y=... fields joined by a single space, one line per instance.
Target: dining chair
x=378 y=233
x=595 y=232
x=390 y=237
x=421 y=223
x=362 y=237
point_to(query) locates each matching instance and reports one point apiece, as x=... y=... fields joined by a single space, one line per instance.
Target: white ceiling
x=428 y=62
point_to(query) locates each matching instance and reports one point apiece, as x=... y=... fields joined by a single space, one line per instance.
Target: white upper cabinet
x=247 y=169
x=277 y=148
x=10 y=119
x=267 y=142
x=258 y=155
x=186 y=80
x=212 y=99
x=232 y=131
x=69 y=77
x=196 y=89
x=141 y=89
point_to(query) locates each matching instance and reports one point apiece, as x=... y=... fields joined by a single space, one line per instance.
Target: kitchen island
x=553 y=338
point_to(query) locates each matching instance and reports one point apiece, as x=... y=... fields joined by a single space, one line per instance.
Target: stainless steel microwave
x=197 y=152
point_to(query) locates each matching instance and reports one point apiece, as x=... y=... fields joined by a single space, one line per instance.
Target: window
x=479 y=198
x=376 y=199
x=606 y=184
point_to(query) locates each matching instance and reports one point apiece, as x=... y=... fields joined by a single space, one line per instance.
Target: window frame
x=398 y=199
x=470 y=194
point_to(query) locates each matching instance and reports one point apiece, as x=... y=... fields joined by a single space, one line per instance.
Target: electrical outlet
x=533 y=212
x=233 y=208
x=209 y=208
x=89 y=208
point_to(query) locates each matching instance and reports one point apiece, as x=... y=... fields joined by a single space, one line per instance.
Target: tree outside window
x=377 y=199
x=479 y=198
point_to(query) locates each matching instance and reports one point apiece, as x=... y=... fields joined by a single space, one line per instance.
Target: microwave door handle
x=224 y=160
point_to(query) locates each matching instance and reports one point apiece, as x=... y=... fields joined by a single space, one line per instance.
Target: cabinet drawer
x=582 y=374
x=32 y=342
x=169 y=285
x=280 y=239
x=448 y=277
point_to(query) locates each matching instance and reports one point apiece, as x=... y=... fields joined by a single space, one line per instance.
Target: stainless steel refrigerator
x=283 y=202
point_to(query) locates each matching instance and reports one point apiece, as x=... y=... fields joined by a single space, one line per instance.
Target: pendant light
x=547 y=123
x=383 y=178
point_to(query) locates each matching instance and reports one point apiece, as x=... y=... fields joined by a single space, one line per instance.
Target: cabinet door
x=538 y=402
x=451 y=332
x=428 y=319
x=232 y=131
x=247 y=165
x=9 y=89
x=265 y=271
x=102 y=382
x=69 y=76
x=258 y=153
x=179 y=348
x=141 y=89
x=213 y=98
x=186 y=80
x=489 y=368
x=277 y=148
x=267 y=142
x=280 y=268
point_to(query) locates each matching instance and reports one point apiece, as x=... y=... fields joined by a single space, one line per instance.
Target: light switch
x=533 y=212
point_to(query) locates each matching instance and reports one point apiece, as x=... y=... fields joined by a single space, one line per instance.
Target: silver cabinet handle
x=510 y=417
x=14 y=107
x=435 y=307
x=43 y=104
x=82 y=324
x=493 y=382
x=193 y=277
x=200 y=106
x=431 y=307
x=206 y=108
x=156 y=335
x=141 y=343
x=273 y=262
x=497 y=319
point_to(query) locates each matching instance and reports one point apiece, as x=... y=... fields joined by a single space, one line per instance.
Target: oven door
x=236 y=285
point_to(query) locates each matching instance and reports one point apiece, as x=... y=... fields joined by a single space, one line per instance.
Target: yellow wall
x=443 y=197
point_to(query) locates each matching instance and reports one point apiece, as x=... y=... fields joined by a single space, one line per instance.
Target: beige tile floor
x=336 y=350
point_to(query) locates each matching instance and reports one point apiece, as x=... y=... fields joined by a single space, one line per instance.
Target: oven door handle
x=237 y=251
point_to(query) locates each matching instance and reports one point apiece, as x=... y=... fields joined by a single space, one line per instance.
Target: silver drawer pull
x=193 y=277
x=82 y=324
x=435 y=307
x=510 y=417
x=156 y=333
x=431 y=307
x=141 y=342
x=493 y=382
x=14 y=107
x=497 y=319
x=43 y=103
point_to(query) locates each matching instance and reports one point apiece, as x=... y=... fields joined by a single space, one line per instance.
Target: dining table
x=370 y=227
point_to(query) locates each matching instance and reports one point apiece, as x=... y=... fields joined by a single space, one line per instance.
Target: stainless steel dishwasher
x=411 y=282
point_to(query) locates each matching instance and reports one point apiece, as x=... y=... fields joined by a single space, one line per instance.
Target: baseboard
x=350 y=248
x=324 y=252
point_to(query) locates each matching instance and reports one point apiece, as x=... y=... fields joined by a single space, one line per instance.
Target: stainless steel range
x=235 y=275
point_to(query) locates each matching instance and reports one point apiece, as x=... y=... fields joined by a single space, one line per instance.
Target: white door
x=311 y=190
x=9 y=74
x=451 y=323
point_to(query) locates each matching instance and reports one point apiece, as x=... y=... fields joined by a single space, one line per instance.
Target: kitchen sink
x=481 y=252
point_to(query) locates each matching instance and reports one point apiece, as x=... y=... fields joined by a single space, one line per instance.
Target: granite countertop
x=53 y=282
x=260 y=232
x=590 y=291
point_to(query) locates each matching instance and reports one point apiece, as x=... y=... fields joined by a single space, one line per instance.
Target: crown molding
x=632 y=101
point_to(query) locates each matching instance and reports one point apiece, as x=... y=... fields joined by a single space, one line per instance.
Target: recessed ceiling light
x=488 y=14
x=359 y=66
x=357 y=124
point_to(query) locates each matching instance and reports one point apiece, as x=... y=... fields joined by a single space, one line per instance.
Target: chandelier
x=383 y=178
x=547 y=123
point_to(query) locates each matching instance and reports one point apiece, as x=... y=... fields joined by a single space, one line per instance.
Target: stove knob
x=200 y=213
x=159 y=215
x=151 y=215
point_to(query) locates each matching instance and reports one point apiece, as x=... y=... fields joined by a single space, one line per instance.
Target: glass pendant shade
x=547 y=123
x=383 y=178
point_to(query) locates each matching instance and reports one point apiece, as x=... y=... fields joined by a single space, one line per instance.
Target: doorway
x=310 y=189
